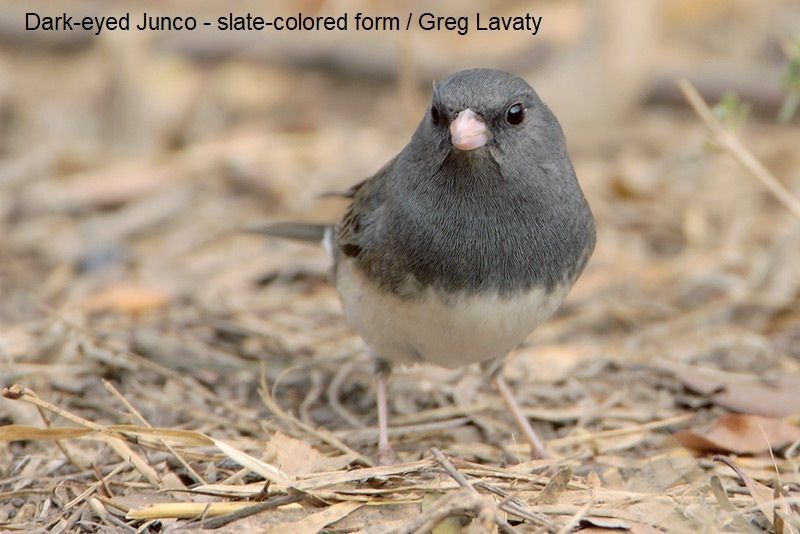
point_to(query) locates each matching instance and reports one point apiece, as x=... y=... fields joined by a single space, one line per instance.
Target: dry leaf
x=172 y=436
x=740 y=392
x=128 y=298
x=292 y=456
x=659 y=472
x=22 y=432
x=264 y=469
x=741 y=434
x=554 y=488
x=593 y=479
x=311 y=524
x=760 y=493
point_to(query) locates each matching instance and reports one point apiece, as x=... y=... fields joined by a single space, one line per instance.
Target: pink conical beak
x=468 y=131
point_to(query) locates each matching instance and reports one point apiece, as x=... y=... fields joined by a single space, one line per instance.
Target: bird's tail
x=296 y=231
x=320 y=234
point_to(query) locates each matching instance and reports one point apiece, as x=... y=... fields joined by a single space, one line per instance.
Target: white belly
x=448 y=330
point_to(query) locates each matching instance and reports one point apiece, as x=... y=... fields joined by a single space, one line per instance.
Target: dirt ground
x=164 y=370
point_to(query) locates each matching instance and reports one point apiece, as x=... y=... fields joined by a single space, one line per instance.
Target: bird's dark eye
x=435 y=114
x=515 y=114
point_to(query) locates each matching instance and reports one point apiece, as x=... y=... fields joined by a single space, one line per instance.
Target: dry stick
x=574 y=440
x=464 y=483
x=136 y=414
x=146 y=526
x=194 y=474
x=451 y=470
x=115 y=521
x=576 y=519
x=455 y=503
x=443 y=412
x=91 y=489
x=291 y=420
x=161 y=370
x=17 y=392
x=114 y=391
x=333 y=396
x=60 y=443
x=269 y=504
x=398 y=431
x=516 y=507
x=99 y=477
x=313 y=394
x=114 y=504
x=728 y=140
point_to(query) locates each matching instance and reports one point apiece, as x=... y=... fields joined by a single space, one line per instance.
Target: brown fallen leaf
x=740 y=434
x=313 y=523
x=761 y=494
x=268 y=471
x=593 y=479
x=292 y=456
x=128 y=298
x=551 y=493
x=737 y=391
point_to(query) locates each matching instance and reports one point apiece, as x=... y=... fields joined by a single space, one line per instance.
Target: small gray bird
x=465 y=241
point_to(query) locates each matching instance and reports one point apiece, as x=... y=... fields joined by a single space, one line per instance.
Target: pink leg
x=537 y=447
x=386 y=454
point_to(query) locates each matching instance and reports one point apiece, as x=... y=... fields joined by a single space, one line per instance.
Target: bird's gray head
x=490 y=112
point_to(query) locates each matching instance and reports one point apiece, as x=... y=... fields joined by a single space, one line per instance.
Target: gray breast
x=498 y=240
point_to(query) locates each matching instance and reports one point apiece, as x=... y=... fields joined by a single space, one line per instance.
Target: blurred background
x=133 y=157
x=129 y=162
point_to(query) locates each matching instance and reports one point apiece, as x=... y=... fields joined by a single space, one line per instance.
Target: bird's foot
x=386 y=455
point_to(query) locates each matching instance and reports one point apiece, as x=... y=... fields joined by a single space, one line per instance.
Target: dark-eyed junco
x=465 y=241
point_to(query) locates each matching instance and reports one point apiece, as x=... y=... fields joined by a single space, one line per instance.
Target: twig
x=312 y=395
x=455 y=503
x=129 y=357
x=451 y=470
x=136 y=414
x=333 y=396
x=485 y=506
x=133 y=411
x=366 y=434
x=514 y=506
x=18 y=392
x=443 y=412
x=257 y=508
x=576 y=519
x=728 y=140
x=574 y=440
x=100 y=482
x=110 y=502
x=60 y=443
x=291 y=420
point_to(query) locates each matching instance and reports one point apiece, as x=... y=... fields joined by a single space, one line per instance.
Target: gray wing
x=352 y=233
